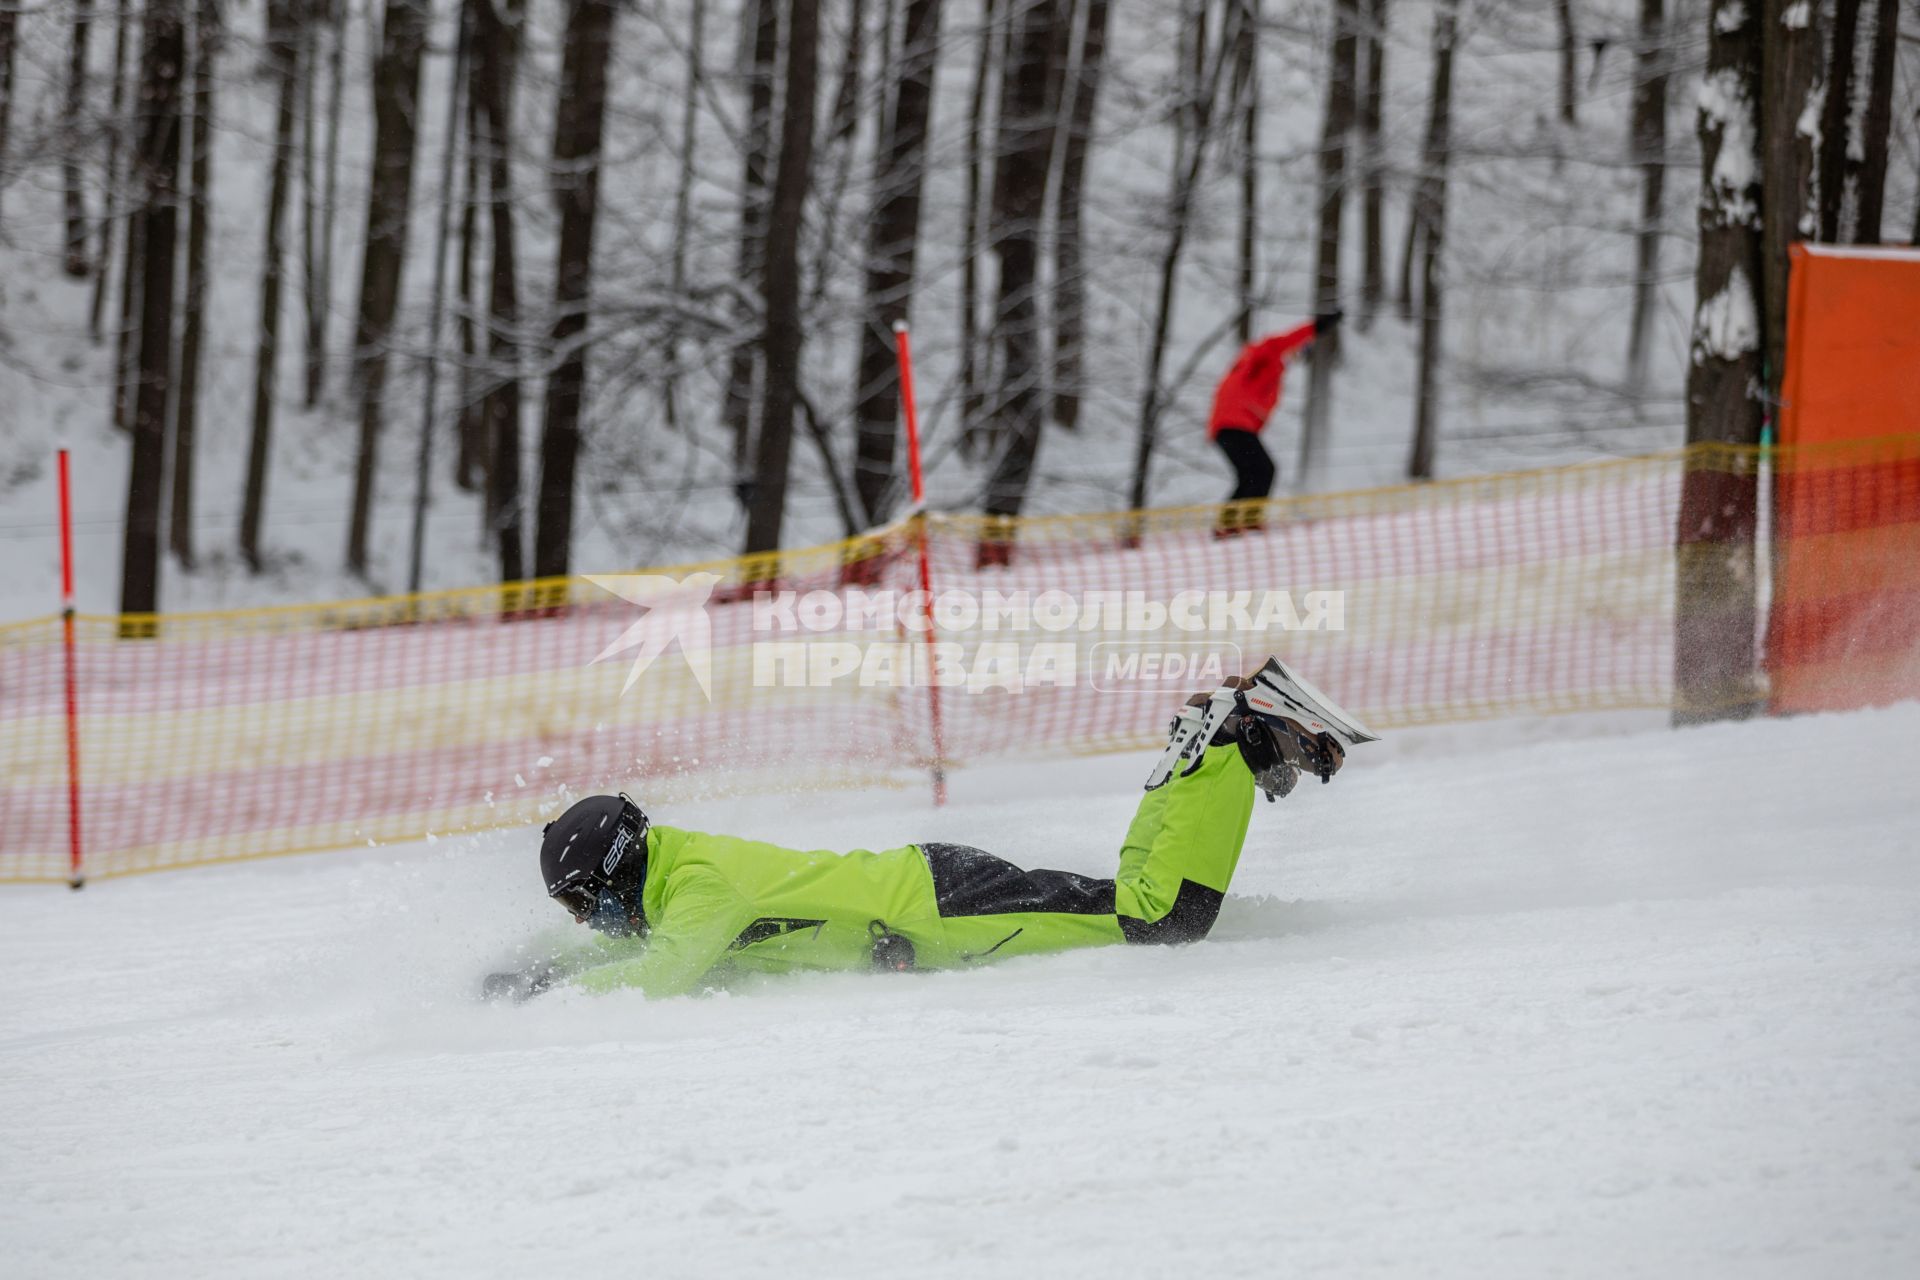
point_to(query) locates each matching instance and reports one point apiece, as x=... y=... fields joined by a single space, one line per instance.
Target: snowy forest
x=345 y=295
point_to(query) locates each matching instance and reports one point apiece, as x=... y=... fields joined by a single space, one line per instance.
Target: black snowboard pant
x=972 y=882
x=1252 y=466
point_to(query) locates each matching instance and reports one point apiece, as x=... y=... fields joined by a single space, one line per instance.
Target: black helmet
x=594 y=861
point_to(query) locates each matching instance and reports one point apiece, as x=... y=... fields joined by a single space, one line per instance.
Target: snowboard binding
x=1283 y=725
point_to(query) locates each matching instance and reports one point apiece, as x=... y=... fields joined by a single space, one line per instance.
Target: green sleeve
x=700 y=916
x=1190 y=829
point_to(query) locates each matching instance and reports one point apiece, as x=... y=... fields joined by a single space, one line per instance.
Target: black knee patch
x=1195 y=908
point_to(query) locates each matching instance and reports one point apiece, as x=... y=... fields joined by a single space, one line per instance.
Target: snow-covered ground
x=1638 y=1004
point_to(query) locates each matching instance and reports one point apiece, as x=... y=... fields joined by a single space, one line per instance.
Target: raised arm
x=1277 y=347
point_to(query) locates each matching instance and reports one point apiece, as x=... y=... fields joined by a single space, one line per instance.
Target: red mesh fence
x=214 y=737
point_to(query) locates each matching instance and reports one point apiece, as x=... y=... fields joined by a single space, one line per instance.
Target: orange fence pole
x=911 y=413
x=73 y=700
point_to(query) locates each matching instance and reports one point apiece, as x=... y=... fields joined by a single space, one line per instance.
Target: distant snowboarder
x=1246 y=398
x=677 y=909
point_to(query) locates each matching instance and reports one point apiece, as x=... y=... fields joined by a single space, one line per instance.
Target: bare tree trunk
x=1569 y=62
x=1194 y=122
x=833 y=171
x=1403 y=295
x=1246 y=99
x=1373 y=271
x=1870 y=172
x=1324 y=354
x=76 y=104
x=133 y=237
x=1790 y=68
x=893 y=240
x=767 y=507
x=317 y=345
x=885 y=72
x=1069 y=247
x=396 y=100
x=1650 y=153
x=1019 y=201
x=1059 y=73
x=9 y=24
x=109 y=218
x=282 y=54
x=458 y=83
x=163 y=56
x=843 y=121
x=1714 y=582
x=126 y=337
x=1195 y=39
x=312 y=291
x=496 y=49
x=470 y=465
x=749 y=343
x=1836 y=117
x=207 y=41
x=1431 y=209
x=970 y=362
x=683 y=203
x=576 y=189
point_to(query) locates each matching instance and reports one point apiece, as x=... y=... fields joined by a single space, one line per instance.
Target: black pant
x=1252 y=467
x=972 y=882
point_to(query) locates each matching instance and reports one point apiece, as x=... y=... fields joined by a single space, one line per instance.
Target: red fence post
x=73 y=700
x=911 y=413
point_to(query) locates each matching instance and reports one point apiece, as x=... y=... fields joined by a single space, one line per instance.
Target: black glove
x=1327 y=322
x=514 y=988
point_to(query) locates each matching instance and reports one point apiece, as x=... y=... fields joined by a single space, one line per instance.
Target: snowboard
x=1276 y=691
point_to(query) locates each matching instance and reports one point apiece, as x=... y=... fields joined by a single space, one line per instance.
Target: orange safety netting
x=214 y=737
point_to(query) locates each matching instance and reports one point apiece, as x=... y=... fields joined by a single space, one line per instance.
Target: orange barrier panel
x=1844 y=627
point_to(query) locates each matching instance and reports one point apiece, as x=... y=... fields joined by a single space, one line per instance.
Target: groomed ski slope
x=1645 y=1003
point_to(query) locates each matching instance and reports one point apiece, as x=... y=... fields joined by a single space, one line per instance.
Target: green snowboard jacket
x=718 y=905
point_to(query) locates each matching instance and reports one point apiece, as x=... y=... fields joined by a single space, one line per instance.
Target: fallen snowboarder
x=677 y=909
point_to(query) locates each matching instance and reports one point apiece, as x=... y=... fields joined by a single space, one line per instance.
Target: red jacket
x=1252 y=387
